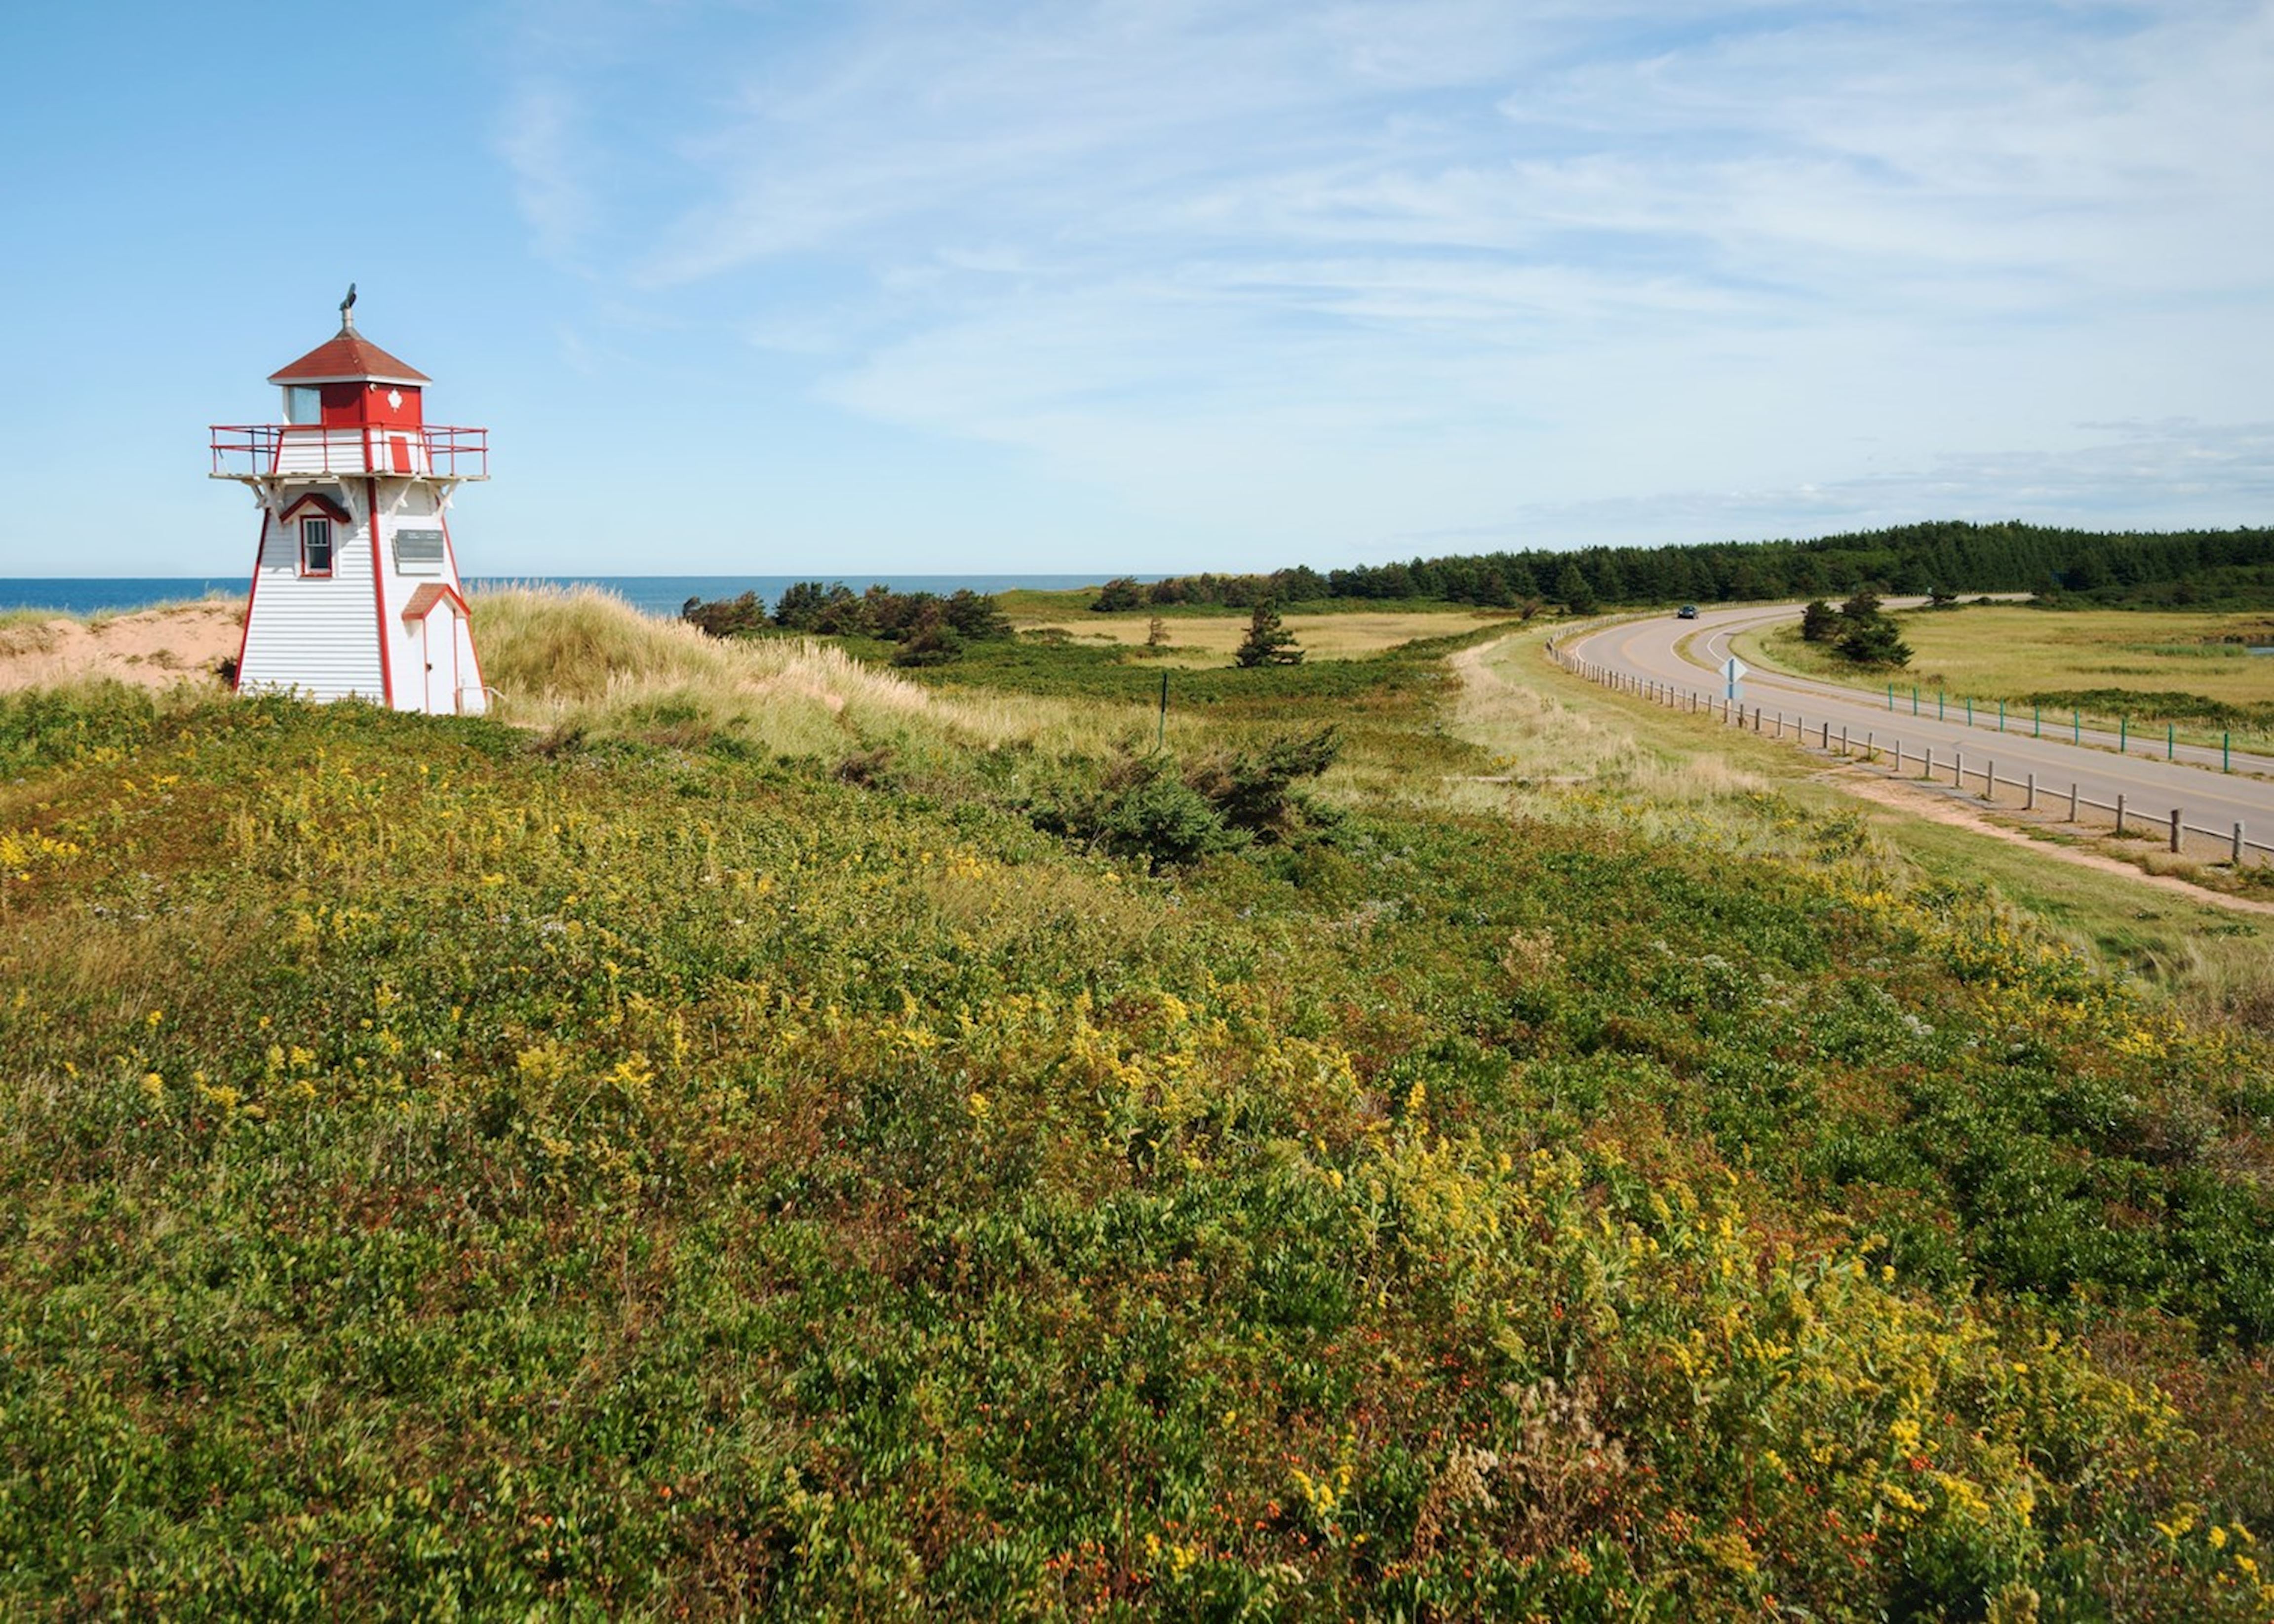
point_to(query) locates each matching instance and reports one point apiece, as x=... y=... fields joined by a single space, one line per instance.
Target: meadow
x=1205 y=636
x=745 y=1132
x=2193 y=669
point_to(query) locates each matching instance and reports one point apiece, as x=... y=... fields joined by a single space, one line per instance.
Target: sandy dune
x=152 y=648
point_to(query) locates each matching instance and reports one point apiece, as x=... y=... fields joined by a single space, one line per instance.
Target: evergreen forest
x=2232 y=568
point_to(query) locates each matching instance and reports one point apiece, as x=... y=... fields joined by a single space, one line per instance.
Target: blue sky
x=925 y=286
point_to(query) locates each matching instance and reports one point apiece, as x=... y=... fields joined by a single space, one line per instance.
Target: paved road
x=1682 y=659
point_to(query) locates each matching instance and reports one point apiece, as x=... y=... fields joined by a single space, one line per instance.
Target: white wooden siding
x=323 y=636
x=328 y=451
x=471 y=700
x=319 y=636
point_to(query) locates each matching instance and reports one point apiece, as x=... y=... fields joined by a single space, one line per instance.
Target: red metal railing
x=458 y=453
x=261 y=450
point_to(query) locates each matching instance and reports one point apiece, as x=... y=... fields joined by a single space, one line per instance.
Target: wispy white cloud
x=1325 y=274
x=536 y=138
x=2130 y=474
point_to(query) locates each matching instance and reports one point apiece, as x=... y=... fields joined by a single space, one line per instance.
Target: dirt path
x=1893 y=793
x=151 y=648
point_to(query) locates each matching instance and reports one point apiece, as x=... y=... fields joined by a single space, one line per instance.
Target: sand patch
x=150 y=648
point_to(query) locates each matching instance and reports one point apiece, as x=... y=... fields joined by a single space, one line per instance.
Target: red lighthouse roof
x=348 y=356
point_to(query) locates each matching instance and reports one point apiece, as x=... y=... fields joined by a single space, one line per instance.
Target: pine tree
x=1875 y=641
x=1572 y=587
x=1268 y=642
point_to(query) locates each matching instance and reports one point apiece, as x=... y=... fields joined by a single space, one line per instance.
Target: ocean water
x=84 y=597
x=660 y=594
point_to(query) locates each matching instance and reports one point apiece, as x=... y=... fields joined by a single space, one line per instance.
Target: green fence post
x=2037 y=721
x=2171 y=740
x=2123 y=734
x=2077 y=728
x=1970 y=709
x=2226 y=752
x=1891 y=695
x=1940 y=703
x=2002 y=715
x=1914 y=699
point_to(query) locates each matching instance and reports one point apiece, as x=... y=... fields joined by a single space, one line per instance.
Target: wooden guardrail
x=2233 y=844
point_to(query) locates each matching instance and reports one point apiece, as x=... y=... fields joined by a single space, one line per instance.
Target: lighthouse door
x=439 y=629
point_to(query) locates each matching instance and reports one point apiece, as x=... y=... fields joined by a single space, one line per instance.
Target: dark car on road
x=1688 y=611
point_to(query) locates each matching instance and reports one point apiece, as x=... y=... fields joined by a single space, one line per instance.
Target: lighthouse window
x=315 y=546
x=303 y=403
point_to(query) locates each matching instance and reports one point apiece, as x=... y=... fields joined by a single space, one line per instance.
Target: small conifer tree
x=1865 y=636
x=1267 y=643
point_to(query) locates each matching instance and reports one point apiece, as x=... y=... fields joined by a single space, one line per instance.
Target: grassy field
x=762 y=1135
x=1207 y=637
x=2152 y=667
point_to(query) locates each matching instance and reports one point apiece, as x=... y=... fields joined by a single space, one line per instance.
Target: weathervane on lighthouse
x=355 y=587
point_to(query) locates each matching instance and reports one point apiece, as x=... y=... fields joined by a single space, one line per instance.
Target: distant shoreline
x=655 y=594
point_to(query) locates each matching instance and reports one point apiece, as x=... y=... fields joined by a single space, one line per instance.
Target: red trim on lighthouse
x=430 y=596
x=244 y=637
x=379 y=596
x=322 y=504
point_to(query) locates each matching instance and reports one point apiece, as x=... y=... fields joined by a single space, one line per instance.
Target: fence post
x=2226 y=752
x=2123 y=734
x=2030 y=804
x=2002 y=715
x=1891 y=697
x=2175 y=829
x=2237 y=859
x=1826 y=742
x=1941 y=705
x=2171 y=740
x=1970 y=709
x=2120 y=812
x=1914 y=699
x=1843 y=741
x=2037 y=721
x=1958 y=769
x=1926 y=769
x=2072 y=801
x=2077 y=728
x=1990 y=782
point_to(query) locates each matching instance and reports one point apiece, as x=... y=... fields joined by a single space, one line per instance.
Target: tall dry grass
x=581 y=659
x=1196 y=641
x=1556 y=760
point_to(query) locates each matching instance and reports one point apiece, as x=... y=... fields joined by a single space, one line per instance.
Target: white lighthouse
x=355 y=590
